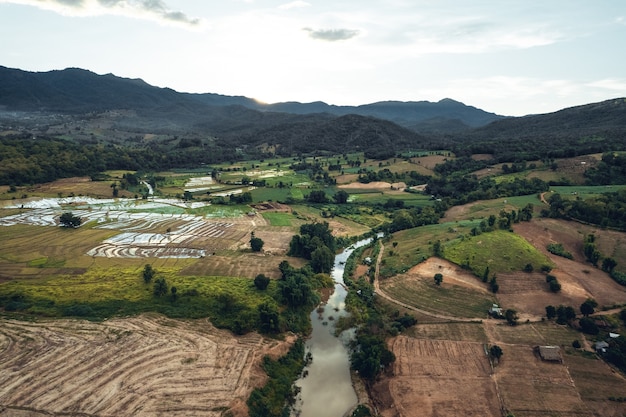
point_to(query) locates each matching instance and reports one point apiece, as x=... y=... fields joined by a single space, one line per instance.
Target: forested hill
x=378 y=138
x=591 y=128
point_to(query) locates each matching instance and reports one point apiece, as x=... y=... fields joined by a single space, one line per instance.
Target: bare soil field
x=141 y=366
x=531 y=387
x=579 y=280
x=437 y=378
x=375 y=185
x=453 y=274
x=596 y=382
x=75 y=185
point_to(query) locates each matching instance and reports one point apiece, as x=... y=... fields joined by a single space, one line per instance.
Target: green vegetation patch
x=102 y=293
x=415 y=245
x=585 y=191
x=278 y=219
x=500 y=250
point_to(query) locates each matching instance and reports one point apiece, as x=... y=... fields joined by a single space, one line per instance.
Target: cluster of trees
x=316 y=243
x=610 y=170
x=605 y=210
x=277 y=396
x=553 y=283
x=504 y=220
x=458 y=189
x=414 y=217
x=559 y=250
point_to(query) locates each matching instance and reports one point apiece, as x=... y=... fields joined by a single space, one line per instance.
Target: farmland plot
x=142 y=366
x=144 y=234
x=531 y=387
x=436 y=378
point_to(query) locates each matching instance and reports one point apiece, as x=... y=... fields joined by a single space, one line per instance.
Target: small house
x=601 y=346
x=613 y=335
x=495 y=311
x=550 y=353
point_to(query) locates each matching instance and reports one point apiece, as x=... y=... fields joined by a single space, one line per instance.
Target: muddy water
x=327 y=390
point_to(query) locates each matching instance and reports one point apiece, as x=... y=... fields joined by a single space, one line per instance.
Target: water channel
x=327 y=388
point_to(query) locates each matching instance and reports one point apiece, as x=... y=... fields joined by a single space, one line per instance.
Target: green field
x=585 y=191
x=501 y=251
x=122 y=291
x=415 y=245
x=278 y=219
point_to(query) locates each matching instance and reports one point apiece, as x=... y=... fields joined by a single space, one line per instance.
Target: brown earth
x=579 y=280
x=141 y=366
x=374 y=185
x=436 y=378
x=455 y=275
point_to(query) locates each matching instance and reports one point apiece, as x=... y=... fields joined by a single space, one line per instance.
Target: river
x=327 y=390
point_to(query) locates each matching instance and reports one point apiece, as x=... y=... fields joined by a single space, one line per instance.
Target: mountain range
x=305 y=127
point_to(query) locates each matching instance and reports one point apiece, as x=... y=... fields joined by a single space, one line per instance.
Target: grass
x=415 y=245
x=449 y=300
x=478 y=252
x=278 y=219
x=585 y=191
x=381 y=197
x=121 y=291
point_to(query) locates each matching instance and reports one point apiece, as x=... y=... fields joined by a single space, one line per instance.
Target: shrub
x=261 y=282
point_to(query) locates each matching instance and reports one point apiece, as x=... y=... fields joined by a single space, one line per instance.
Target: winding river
x=327 y=390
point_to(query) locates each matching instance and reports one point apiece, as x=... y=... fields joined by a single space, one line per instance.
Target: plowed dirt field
x=141 y=366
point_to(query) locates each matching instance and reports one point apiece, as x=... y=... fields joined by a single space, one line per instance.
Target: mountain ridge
x=78 y=90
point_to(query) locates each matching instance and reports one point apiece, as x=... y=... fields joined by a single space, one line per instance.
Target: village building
x=549 y=353
x=601 y=346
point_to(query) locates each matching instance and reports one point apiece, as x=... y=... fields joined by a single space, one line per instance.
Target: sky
x=504 y=56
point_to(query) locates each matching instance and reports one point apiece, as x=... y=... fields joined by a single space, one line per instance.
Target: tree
x=261 y=282
x=317 y=196
x=322 y=260
x=587 y=325
x=160 y=287
x=174 y=292
x=148 y=273
x=565 y=314
x=269 y=317
x=493 y=284
x=511 y=317
x=341 y=197
x=68 y=219
x=555 y=286
x=588 y=307
x=495 y=352
x=437 y=248
x=438 y=278
x=608 y=264
x=256 y=243
x=550 y=312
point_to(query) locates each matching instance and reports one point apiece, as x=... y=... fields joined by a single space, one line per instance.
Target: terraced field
x=148 y=229
x=141 y=366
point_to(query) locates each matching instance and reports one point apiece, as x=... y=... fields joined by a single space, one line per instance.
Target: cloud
x=332 y=35
x=612 y=84
x=294 y=4
x=155 y=10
